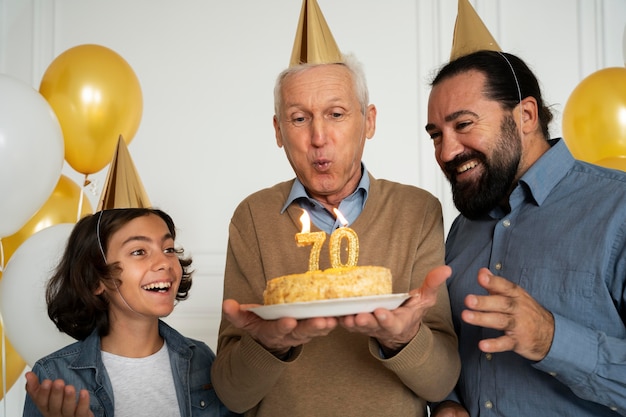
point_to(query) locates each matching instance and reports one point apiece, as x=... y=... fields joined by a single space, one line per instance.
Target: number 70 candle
x=306 y=237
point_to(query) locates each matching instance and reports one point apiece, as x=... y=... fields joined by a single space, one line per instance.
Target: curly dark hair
x=503 y=72
x=73 y=305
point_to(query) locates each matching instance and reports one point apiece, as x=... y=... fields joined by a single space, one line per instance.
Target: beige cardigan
x=341 y=374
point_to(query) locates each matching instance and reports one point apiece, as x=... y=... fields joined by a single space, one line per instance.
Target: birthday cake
x=345 y=281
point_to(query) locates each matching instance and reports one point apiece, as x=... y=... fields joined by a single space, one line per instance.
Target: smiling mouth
x=158 y=286
x=466 y=166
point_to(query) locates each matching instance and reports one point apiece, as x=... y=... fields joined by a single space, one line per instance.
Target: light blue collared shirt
x=564 y=242
x=350 y=207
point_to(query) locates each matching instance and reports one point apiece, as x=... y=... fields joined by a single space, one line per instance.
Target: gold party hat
x=470 y=33
x=314 y=43
x=123 y=187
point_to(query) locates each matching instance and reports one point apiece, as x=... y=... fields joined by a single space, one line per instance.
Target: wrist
x=282 y=354
x=389 y=351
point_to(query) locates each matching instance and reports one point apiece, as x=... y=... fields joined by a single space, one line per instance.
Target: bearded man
x=549 y=339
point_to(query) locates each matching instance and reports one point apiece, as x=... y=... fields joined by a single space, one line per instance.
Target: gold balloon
x=61 y=207
x=616 y=162
x=96 y=96
x=594 y=117
x=14 y=366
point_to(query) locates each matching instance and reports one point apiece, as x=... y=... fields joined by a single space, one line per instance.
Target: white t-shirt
x=142 y=386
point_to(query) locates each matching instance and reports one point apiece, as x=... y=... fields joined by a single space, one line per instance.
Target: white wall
x=207 y=71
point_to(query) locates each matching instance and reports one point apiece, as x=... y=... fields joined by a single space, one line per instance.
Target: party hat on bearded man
x=470 y=33
x=123 y=188
x=314 y=43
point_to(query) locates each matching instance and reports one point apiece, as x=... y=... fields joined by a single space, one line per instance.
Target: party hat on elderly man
x=123 y=187
x=314 y=43
x=470 y=33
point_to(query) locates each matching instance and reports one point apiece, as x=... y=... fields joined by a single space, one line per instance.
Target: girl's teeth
x=157 y=286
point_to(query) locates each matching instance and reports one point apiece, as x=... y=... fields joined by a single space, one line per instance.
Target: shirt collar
x=548 y=170
x=298 y=191
x=539 y=180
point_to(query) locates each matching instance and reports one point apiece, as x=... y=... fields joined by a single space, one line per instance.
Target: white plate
x=330 y=308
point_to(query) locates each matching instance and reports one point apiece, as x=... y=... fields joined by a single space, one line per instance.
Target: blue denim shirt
x=80 y=364
x=564 y=242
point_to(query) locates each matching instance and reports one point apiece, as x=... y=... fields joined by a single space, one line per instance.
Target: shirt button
x=613 y=408
x=488 y=404
x=506 y=222
x=488 y=356
x=552 y=373
x=202 y=403
x=498 y=266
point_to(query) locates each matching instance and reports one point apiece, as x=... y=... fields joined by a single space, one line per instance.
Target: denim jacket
x=80 y=364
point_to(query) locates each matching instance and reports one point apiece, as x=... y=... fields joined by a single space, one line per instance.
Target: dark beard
x=475 y=199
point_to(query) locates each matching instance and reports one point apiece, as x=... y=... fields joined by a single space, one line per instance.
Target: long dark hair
x=503 y=72
x=72 y=303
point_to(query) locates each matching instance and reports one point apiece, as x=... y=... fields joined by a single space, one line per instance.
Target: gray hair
x=349 y=61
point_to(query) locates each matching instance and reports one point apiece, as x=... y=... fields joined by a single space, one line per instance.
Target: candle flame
x=306 y=222
x=342 y=219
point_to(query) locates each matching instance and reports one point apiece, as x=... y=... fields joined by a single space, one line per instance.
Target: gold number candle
x=336 y=238
x=306 y=237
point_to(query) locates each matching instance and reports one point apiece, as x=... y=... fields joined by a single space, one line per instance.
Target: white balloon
x=23 y=294
x=31 y=153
